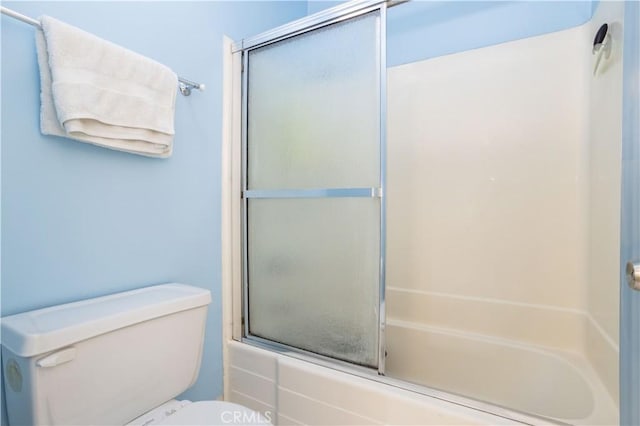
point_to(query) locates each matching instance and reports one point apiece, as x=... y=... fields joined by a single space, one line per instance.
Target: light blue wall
x=425 y=29
x=80 y=221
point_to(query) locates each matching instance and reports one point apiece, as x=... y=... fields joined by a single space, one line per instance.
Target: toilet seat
x=209 y=413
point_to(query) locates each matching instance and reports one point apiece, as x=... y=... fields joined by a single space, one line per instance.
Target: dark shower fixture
x=601 y=46
x=600 y=36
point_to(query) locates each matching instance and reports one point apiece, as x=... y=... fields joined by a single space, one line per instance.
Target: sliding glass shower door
x=313 y=189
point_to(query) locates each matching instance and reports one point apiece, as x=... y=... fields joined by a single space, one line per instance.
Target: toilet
x=114 y=360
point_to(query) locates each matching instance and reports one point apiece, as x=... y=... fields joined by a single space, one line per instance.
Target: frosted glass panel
x=313 y=108
x=314 y=275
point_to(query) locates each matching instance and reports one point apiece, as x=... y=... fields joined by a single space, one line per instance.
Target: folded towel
x=94 y=91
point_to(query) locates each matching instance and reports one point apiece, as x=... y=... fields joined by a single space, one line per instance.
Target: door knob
x=633 y=275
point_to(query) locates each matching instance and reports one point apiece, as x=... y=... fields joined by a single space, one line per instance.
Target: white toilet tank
x=103 y=361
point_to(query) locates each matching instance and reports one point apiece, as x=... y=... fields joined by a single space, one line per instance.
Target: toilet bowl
x=113 y=360
x=177 y=413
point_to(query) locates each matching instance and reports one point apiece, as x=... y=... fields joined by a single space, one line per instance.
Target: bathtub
x=293 y=391
x=543 y=382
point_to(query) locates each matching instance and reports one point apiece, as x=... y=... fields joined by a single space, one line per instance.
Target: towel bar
x=184 y=85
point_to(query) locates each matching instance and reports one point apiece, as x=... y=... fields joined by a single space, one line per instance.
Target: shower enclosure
x=451 y=226
x=304 y=196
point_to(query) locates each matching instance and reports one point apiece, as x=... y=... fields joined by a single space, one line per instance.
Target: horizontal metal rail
x=332 y=15
x=315 y=193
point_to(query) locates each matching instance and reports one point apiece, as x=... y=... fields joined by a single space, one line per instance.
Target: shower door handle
x=633 y=275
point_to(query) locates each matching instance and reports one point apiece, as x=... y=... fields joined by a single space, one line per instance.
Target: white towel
x=97 y=92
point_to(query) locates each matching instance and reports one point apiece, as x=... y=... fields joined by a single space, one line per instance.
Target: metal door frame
x=629 y=372
x=323 y=19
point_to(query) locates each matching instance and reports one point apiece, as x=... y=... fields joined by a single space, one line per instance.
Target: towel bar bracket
x=186 y=86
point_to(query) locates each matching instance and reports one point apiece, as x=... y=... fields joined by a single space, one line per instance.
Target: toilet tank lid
x=44 y=330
